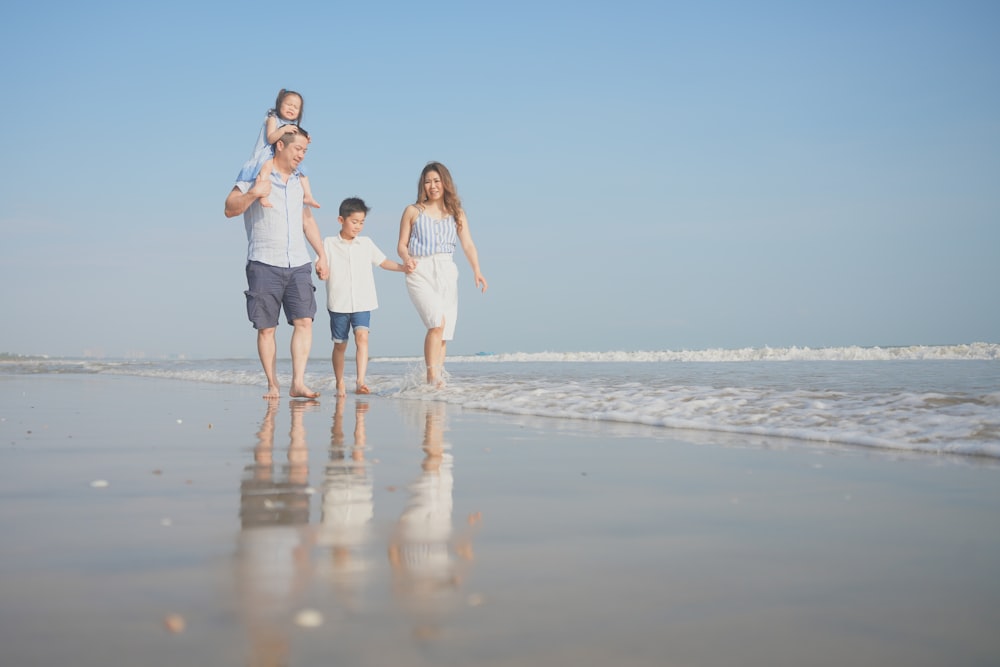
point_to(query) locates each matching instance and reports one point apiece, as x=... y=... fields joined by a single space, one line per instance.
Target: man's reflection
x=427 y=566
x=348 y=507
x=274 y=543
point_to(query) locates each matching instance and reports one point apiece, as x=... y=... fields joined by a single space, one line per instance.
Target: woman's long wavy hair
x=452 y=202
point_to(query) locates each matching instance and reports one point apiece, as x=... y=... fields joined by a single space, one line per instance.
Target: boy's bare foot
x=273 y=393
x=309 y=201
x=341 y=388
x=266 y=203
x=363 y=389
x=303 y=391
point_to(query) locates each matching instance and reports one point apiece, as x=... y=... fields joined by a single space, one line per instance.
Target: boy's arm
x=379 y=257
x=390 y=265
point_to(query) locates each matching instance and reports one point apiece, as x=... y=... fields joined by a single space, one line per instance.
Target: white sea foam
x=965 y=351
x=982 y=351
x=926 y=422
x=940 y=399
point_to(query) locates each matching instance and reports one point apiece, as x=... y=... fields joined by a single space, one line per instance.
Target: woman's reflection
x=427 y=565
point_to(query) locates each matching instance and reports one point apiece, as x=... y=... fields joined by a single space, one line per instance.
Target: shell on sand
x=175 y=623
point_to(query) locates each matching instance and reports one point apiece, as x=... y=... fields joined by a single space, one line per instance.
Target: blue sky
x=638 y=176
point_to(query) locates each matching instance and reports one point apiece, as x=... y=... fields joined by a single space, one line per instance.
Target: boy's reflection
x=426 y=573
x=348 y=506
x=274 y=543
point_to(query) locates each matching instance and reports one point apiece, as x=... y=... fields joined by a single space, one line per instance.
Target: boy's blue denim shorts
x=271 y=288
x=342 y=323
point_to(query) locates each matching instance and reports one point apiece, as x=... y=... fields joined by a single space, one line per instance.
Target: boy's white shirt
x=350 y=287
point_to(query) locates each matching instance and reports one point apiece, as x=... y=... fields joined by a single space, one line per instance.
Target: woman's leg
x=434 y=354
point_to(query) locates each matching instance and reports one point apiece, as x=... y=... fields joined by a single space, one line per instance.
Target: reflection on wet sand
x=275 y=544
x=287 y=565
x=427 y=564
x=348 y=507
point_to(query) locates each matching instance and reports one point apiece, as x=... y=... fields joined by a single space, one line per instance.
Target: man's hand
x=322 y=268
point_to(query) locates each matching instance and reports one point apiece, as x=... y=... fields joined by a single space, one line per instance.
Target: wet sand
x=414 y=533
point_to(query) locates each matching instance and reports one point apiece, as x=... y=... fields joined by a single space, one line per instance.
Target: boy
x=350 y=288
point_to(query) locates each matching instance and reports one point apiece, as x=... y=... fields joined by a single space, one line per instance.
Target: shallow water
x=425 y=533
x=941 y=400
x=933 y=406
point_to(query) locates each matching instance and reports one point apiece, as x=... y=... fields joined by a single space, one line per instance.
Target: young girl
x=287 y=111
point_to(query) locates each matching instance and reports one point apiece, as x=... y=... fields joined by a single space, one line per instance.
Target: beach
x=159 y=521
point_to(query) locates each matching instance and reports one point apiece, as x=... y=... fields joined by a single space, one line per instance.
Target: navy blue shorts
x=342 y=323
x=271 y=288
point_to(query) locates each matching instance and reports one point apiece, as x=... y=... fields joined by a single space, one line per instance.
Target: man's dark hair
x=292 y=130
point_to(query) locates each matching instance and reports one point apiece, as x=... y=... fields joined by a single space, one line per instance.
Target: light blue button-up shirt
x=274 y=235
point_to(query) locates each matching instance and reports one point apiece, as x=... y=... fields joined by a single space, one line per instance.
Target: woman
x=428 y=233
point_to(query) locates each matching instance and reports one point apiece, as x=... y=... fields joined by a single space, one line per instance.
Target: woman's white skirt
x=433 y=288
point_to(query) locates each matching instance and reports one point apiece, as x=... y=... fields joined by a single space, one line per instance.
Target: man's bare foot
x=303 y=391
x=266 y=203
x=309 y=201
x=341 y=388
x=273 y=393
x=363 y=389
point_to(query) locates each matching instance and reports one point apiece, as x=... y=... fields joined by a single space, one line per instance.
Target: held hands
x=322 y=268
x=409 y=265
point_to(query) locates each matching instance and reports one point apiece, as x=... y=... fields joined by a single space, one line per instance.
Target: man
x=279 y=268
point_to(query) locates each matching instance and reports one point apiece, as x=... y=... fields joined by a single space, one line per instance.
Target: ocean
x=942 y=400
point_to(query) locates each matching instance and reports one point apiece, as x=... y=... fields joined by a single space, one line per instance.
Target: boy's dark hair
x=353 y=205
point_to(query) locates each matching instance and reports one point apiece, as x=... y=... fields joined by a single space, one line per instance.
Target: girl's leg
x=265 y=175
x=307 y=197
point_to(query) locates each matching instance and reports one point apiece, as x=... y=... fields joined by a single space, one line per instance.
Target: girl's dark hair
x=282 y=94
